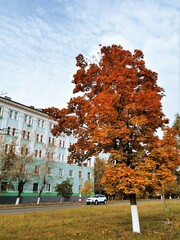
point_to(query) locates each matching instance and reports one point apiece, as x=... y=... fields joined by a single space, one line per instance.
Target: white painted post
x=135 y=219
x=38 y=200
x=17 y=201
x=134 y=213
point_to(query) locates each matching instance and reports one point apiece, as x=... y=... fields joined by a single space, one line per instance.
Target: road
x=37 y=208
x=26 y=209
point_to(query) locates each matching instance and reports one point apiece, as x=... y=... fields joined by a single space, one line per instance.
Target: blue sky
x=39 y=40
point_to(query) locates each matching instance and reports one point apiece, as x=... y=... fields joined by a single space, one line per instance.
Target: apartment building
x=32 y=128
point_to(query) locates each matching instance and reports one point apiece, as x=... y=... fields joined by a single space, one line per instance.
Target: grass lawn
x=102 y=222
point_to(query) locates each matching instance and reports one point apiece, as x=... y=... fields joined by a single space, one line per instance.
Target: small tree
x=45 y=166
x=172 y=189
x=64 y=189
x=87 y=190
x=16 y=167
x=21 y=171
x=99 y=168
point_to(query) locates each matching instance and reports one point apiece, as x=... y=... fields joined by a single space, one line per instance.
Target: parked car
x=96 y=199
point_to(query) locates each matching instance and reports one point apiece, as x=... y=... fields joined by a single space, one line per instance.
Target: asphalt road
x=26 y=209
x=37 y=209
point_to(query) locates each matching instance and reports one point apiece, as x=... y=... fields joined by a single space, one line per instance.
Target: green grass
x=101 y=222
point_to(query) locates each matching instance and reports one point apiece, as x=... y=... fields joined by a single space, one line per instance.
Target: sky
x=39 y=40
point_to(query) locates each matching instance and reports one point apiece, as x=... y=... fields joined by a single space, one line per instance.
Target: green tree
x=64 y=189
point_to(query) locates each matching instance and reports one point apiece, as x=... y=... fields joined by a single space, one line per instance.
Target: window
x=16 y=115
x=89 y=162
x=10 y=113
x=40 y=154
x=30 y=120
x=1 y=111
x=35 y=187
x=80 y=175
x=8 y=131
x=28 y=135
x=62 y=143
x=61 y=172
x=36 y=170
x=36 y=153
x=61 y=157
x=26 y=151
x=89 y=175
x=71 y=173
x=37 y=137
x=41 y=138
x=42 y=124
x=39 y=122
x=23 y=134
x=48 y=188
x=25 y=118
x=13 y=132
x=53 y=141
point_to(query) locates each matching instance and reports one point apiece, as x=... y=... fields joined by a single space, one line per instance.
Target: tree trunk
x=134 y=213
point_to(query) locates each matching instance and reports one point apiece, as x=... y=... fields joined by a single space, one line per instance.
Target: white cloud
x=38 y=49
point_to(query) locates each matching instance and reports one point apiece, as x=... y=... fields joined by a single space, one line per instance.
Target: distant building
x=32 y=128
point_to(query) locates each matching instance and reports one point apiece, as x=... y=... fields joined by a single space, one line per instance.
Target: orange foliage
x=119 y=112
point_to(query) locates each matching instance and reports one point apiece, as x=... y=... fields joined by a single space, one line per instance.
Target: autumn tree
x=22 y=171
x=99 y=168
x=16 y=167
x=117 y=110
x=7 y=158
x=88 y=188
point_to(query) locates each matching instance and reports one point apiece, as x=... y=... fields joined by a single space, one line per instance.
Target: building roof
x=32 y=109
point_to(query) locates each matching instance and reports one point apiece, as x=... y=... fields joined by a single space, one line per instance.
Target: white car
x=96 y=199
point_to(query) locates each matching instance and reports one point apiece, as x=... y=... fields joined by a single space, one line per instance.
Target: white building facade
x=32 y=128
